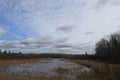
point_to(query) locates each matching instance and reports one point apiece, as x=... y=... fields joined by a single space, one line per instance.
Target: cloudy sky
x=65 y=26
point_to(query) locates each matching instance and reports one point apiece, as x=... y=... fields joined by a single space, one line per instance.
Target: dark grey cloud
x=117 y=18
x=89 y=33
x=65 y=29
x=61 y=40
x=62 y=46
x=43 y=42
x=62 y=43
x=102 y=3
x=25 y=43
x=118 y=26
x=13 y=44
x=115 y=2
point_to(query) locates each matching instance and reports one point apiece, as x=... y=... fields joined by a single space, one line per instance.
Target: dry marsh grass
x=19 y=61
x=99 y=71
x=31 y=77
x=87 y=63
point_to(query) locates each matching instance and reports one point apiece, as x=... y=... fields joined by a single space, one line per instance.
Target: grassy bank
x=88 y=63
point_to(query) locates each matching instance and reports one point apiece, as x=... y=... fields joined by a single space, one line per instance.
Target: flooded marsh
x=52 y=67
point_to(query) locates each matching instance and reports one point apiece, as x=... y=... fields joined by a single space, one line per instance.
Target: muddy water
x=42 y=67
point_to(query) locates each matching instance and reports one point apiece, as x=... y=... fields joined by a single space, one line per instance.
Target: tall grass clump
x=101 y=72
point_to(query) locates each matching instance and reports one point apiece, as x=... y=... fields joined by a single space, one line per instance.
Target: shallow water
x=42 y=67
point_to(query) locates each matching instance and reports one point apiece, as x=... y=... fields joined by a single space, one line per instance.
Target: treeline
x=10 y=55
x=109 y=49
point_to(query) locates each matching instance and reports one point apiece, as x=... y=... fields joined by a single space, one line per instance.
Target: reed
x=99 y=71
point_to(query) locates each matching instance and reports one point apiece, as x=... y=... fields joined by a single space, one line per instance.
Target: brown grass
x=99 y=70
x=87 y=63
x=21 y=61
x=31 y=77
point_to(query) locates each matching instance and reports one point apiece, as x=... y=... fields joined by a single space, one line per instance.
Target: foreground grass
x=19 y=61
x=99 y=70
x=31 y=77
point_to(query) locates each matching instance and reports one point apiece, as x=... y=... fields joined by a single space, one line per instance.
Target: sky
x=62 y=26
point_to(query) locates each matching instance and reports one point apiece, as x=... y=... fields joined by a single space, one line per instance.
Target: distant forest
x=106 y=50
